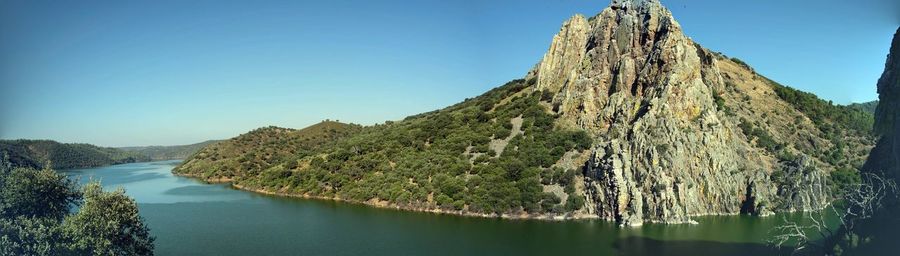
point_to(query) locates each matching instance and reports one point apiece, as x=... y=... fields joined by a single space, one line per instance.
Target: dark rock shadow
x=635 y=245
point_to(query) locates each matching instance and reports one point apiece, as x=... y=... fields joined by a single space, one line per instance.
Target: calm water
x=191 y=218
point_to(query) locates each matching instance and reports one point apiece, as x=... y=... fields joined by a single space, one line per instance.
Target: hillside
x=260 y=149
x=868 y=107
x=169 y=152
x=625 y=119
x=36 y=153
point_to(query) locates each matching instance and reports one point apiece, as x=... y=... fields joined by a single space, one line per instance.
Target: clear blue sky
x=124 y=73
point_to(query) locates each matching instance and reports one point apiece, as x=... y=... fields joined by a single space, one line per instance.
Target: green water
x=191 y=218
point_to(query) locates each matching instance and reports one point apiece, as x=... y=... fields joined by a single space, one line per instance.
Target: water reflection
x=154 y=183
x=635 y=245
x=192 y=218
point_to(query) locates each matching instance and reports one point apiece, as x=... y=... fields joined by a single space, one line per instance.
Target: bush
x=548 y=201
x=720 y=102
x=741 y=62
x=763 y=139
x=843 y=179
x=574 y=203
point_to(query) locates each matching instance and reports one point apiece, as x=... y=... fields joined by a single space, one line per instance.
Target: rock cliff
x=667 y=114
x=885 y=157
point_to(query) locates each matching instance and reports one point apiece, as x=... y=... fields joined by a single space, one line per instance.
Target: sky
x=133 y=73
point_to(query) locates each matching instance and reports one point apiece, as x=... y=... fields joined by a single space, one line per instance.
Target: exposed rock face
x=885 y=157
x=666 y=151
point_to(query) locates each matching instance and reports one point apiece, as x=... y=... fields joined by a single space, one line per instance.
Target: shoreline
x=385 y=205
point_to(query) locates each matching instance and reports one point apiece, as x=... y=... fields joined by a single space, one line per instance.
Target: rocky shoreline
x=386 y=205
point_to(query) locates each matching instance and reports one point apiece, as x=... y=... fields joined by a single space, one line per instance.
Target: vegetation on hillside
x=868 y=107
x=838 y=140
x=831 y=119
x=262 y=148
x=837 y=122
x=37 y=153
x=37 y=218
x=169 y=152
x=489 y=154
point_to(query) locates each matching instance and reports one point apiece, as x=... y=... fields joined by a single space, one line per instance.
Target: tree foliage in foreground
x=36 y=216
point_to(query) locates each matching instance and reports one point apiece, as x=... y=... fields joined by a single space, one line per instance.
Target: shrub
x=575 y=202
x=843 y=179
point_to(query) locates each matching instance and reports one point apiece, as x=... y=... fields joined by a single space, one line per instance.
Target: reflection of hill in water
x=635 y=245
x=167 y=163
x=194 y=190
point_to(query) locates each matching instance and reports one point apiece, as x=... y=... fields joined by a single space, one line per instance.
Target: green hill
x=259 y=149
x=488 y=154
x=169 y=152
x=868 y=107
x=36 y=153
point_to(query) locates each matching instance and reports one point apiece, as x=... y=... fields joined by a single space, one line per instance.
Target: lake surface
x=189 y=217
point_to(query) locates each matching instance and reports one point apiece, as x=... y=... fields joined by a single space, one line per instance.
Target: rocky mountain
x=37 y=153
x=169 y=152
x=885 y=157
x=624 y=118
x=683 y=131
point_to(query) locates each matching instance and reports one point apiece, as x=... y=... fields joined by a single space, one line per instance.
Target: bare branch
x=861 y=201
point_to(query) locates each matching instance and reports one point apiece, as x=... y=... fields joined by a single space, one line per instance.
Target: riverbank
x=383 y=204
x=387 y=205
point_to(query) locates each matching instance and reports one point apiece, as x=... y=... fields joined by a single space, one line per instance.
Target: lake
x=189 y=217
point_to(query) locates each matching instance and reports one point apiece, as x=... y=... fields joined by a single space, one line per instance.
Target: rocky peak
x=590 y=60
x=631 y=4
x=667 y=150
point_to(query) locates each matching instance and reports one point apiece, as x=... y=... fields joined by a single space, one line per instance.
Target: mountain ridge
x=624 y=119
x=168 y=152
x=38 y=153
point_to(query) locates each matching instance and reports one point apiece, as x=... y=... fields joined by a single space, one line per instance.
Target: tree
x=108 y=224
x=31 y=236
x=36 y=194
x=36 y=219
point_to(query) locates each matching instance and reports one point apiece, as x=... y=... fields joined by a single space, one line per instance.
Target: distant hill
x=868 y=107
x=260 y=149
x=169 y=152
x=37 y=153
